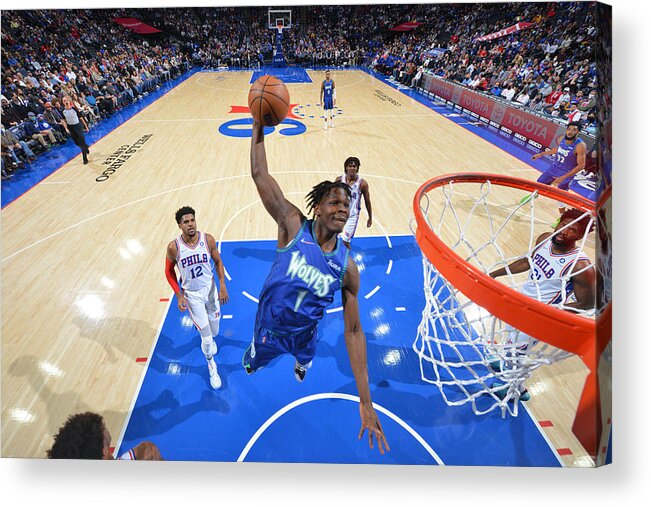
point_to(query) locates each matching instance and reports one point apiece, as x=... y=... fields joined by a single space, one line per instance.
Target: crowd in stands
x=548 y=68
x=48 y=55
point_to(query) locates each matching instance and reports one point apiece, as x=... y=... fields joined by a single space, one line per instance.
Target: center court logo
x=241 y=127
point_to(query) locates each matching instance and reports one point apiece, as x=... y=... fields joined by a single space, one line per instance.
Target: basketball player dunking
x=358 y=188
x=192 y=252
x=328 y=98
x=311 y=265
x=569 y=159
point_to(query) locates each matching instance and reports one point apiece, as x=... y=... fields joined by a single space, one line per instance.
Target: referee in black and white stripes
x=73 y=126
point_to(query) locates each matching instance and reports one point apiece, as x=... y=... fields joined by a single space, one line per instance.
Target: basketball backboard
x=276 y=17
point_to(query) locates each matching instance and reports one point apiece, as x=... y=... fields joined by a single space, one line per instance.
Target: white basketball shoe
x=215 y=381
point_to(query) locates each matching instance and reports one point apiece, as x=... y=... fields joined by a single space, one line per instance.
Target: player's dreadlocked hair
x=185 y=210
x=582 y=218
x=320 y=191
x=81 y=437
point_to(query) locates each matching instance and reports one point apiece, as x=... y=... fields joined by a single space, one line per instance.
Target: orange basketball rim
x=582 y=336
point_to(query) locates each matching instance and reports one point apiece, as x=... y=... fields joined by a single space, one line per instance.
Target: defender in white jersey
x=560 y=274
x=358 y=188
x=192 y=252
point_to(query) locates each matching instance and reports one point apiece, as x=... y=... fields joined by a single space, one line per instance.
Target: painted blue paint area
x=58 y=156
x=290 y=75
x=177 y=409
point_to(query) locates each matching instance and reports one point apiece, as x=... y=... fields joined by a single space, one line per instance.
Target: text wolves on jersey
x=313 y=278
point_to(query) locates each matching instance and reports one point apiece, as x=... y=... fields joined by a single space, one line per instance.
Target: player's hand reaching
x=371 y=423
x=369 y=222
x=557 y=181
x=182 y=303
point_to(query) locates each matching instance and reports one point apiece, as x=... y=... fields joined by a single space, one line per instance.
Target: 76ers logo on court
x=241 y=127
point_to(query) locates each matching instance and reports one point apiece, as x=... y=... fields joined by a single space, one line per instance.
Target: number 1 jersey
x=302 y=283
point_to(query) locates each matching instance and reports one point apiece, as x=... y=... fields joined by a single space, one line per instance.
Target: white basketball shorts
x=203 y=305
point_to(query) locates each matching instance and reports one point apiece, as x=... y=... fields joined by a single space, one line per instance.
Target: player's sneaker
x=300 y=370
x=494 y=364
x=332 y=124
x=501 y=393
x=215 y=381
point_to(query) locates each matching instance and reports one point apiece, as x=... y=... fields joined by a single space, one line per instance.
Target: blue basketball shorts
x=267 y=345
x=327 y=103
x=550 y=175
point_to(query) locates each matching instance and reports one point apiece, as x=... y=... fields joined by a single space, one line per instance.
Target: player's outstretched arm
x=584 y=286
x=281 y=210
x=356 y=345
x=521 y=265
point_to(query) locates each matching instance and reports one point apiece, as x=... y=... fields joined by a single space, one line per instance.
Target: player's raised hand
x=371 y=423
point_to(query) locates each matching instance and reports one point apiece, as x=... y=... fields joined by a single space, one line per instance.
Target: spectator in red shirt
x=555 y=95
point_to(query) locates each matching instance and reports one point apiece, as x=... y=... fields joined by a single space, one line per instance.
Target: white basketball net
x=470 y=355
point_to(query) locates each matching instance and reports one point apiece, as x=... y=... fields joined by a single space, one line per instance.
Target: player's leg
x=349 y=230
x=547 y=177
x=327 y=113
x=508 y=360
x=197 y=304
x=264 y=347
x=214 y=313
x=303 y=348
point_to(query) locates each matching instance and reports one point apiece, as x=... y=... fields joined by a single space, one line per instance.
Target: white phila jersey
x=549 y=278
x=355 y=195
x=195 y=263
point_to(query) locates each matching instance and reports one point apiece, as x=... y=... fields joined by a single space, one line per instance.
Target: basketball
x=269 y=101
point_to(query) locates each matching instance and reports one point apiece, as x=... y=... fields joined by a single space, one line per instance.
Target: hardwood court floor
x=82 y=260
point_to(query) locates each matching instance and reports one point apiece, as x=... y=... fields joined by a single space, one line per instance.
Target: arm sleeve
x=170 y=274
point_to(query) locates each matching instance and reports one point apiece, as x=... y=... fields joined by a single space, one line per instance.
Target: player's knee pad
x=214 y=325
x=207 y=341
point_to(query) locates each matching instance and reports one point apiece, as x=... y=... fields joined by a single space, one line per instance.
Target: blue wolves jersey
x=302 y=283
x=565 y=159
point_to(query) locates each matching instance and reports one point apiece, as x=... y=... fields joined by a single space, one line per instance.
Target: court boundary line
x=545 y=436
x=145 y=369
x=340 y=396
